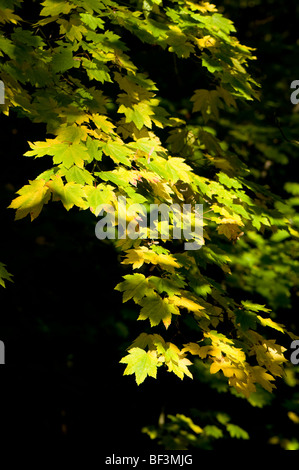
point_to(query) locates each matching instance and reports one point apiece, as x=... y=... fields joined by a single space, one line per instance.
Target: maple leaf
x=178 y=42
x=136 y=257
x=67 y=153
x=55 y=7
x=31 y=200
x=77 y=175
x=192 y=348
x=152 y=342
x=178 y=169
x=190 y=304
x=157 y=309
x=134 y=287
x=231 y=231
x=119 y=152
x=73 y=29
x=176 y=361
x=205 y=41
x=236 y=431
x=261 y=376
x=72 y=134
x=70 y=155
x=7 y=16
x=169 y=285
x=139 y=114
x=63 y=60
x=41 y=148
x=254 y=307
x=86 y=128
x=141 y=363
x=207 y=102
x=162 y=191
x=272 y=324
x=246 y=319
x=4 y=275
x=98 y=195
x=270 y=355
x=69 y=194
x=96 y=70
x=92 y=21
x=141 y=255
x=228 y=368
x=103 y=123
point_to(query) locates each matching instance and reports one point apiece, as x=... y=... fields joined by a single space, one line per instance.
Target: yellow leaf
x=178 y=170
x=263 y=378
x=176 y=361
x=293 y=417
x=184 y=302
x=143 y=255
x=293 y=232
x=271 y=324
x=203 y=7
x=103 y=123
x=192 y=348
x=157 y=309
x=206 y=41
x=215 y=367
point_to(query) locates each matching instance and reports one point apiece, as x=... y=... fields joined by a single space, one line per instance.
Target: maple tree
x=110 y=133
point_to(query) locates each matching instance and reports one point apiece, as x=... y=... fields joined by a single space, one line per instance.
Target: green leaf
x=4 y=275
x=168 y=285
x=134 y=287
x=236 y=431
x=254 y=307
x=139 y=114
x=212 y=64
x=70 y=155
x=96 y=70
x=31 y=199
x=228 y=181
x=63 y=60
x=56 y=7
x=70 y=194
x=213 y=431
x=92 y=21
x=246 y=319
x=93 y=149
x=177 y=169
x=7 y=16
x=79 y=175
x=53 y=71
x=98 y=195
x=176 y=361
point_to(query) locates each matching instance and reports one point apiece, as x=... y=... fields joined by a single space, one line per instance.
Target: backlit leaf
x=140 y=363
x=31 y=199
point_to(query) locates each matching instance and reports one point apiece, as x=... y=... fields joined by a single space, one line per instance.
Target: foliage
x=180 y=432
x=4 y=275
x=109 y=132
